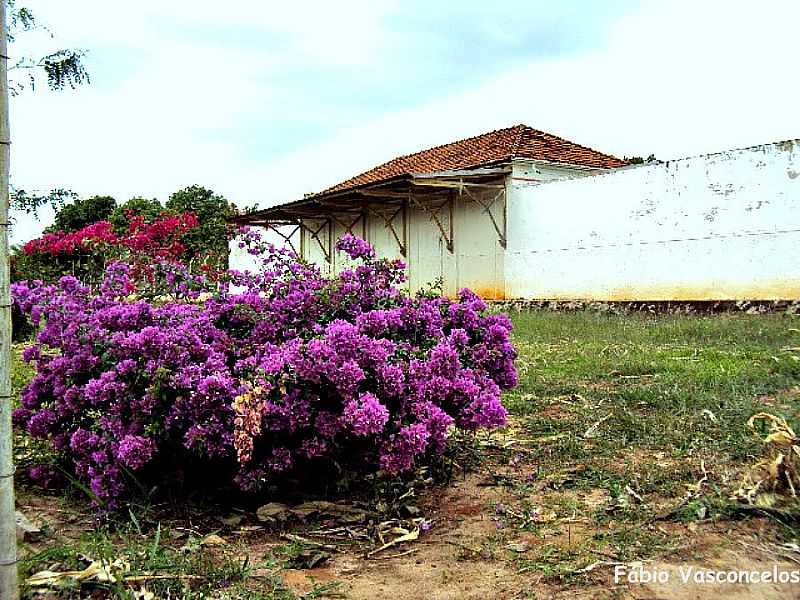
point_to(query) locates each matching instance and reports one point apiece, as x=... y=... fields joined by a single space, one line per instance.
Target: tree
x=79 y=214
x=640 y=160
x=61 y=69
x=149 y=208
x=209 y=242
x=32 y=202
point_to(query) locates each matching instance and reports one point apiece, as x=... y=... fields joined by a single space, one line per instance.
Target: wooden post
x=8 y=528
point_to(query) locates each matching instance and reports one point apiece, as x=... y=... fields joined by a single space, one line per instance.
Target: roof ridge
x=402 y=157
x=506 y=143
x=522 y=128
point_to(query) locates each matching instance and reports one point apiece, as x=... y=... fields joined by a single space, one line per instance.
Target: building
x=519 y=213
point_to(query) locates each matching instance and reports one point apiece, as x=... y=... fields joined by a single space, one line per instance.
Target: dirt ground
x=466 y=557
x=474 y=551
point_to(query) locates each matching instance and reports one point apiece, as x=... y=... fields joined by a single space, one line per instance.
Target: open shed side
x=446 y=226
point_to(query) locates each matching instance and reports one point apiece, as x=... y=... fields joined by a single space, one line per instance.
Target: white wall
x=720 y=226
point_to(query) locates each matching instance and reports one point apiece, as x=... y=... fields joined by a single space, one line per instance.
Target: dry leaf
x=272 y=512
x=518 y=546
x=775 y=479
x=143 y=594
x=212 y=540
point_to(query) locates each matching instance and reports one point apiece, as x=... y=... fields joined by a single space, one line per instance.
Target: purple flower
x=83 y=442
x=355 y=247
x=135 y=451
x=44 y=475
x=21 y=416
x=41 y=423
x=262 y=371
x=403 y=448
x=365 y=416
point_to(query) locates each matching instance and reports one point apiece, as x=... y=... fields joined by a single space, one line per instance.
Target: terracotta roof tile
x=520 y=141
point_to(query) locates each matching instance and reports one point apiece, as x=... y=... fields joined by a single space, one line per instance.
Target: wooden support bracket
x=388 y=223
x=286 y=237
x=500 y=228
x=435 y=213
x=348 y=227
x=326 y=248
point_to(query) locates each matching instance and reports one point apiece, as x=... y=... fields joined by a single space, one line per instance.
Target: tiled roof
x=501 y=145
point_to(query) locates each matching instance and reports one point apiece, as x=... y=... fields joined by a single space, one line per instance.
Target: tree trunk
x=8 y=533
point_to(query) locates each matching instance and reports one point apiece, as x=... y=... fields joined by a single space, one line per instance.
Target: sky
x=264 y=101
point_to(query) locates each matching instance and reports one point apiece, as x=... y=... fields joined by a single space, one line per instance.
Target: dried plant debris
x=276 y=513
x=396 y=531
x=309 y=558
x=775 y=480
x=97 y=571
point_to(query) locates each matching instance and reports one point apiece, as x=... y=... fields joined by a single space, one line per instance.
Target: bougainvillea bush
x=266 y=373
x=86 y=251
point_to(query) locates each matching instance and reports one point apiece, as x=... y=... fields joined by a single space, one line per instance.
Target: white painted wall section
x=719 y=226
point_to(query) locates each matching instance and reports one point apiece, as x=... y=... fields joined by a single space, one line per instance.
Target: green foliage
x=31 y=202
x=209 y=242
x=85 y=267
x=206 y=244
x=83 y=212
x=21 y=327
x=19 y=19
x=640 y=160
x=62 y=68
x=149 y=208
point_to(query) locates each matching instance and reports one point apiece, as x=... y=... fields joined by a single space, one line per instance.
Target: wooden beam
x=435 y=213
x=388 y=223
x=349 y=227
x=385 y=194
x=327 y=250
x=286 y=238
x=456 y=185
x=501 y=230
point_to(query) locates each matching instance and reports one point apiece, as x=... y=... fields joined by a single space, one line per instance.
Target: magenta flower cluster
x=264 y=372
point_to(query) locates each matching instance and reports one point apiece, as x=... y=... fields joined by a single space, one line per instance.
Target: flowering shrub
x=87 y=251
x=261 y=372
x=160 y=239
x=83 y=240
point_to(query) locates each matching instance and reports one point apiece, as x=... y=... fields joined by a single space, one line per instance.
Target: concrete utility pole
x=8 y=528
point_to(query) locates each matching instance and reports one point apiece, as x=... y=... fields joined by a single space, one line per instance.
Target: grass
x=606 y=403
x=681 y=385
x=189 y=571
x=644 y=402
x=167 y=566
x=21 y=372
